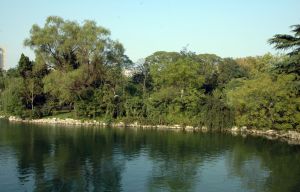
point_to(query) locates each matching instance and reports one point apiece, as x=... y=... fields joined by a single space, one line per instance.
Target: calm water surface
x=48 y=158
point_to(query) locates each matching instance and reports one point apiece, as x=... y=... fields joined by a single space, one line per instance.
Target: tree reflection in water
x=95 y=159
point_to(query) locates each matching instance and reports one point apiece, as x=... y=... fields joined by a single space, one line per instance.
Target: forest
x=80 y=72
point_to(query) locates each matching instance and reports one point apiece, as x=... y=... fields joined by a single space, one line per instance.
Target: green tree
x=80 y=58
x=259 y=64
x=266 y=102
x=290 y=43
x=229 y=69
x=2 y=80
x=25 y=67
x=11 y=97
x=177 y=87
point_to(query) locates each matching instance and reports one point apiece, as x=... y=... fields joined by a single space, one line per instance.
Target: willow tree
x=81 y=58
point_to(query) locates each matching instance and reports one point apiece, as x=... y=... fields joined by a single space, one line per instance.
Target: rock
x=189 y=128
x=13 y=118
x=120 y=124
x=271 y=132
x=294 y=135
x=235 y=129
x=177 y=126
x=244 y=128
x=147 y=126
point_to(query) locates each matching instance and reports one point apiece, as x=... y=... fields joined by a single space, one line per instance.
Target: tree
x=209 y=65
x=138 y=88
x=266 y=102
x=254 y=66
x=11 y=97
x=79 y=57
x=31 y=74
x=2 y=80
x=290 y=43
x=229 y=69
x=177 y=86
x=25 y=71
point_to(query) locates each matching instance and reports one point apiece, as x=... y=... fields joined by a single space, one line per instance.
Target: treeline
x=79 y=70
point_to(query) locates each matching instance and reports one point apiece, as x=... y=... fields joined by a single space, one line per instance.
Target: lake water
x=54 y=158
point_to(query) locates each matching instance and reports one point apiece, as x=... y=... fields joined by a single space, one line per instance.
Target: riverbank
x=291 y=137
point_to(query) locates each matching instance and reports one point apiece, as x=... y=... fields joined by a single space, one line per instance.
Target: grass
x=61 y=115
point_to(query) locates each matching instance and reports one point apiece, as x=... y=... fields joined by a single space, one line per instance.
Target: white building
x=2 y=55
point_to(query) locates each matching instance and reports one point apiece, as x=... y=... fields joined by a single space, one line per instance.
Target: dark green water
x=48 y=158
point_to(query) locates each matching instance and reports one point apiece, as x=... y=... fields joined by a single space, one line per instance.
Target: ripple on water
x=122 y=160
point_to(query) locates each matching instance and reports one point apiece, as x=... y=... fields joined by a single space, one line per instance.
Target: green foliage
x=80 y=58
x=229 y=69
x=79 y=70
x=10 y=97
x=292 y=44
x=288 y=42
x=259 y=64
x=2 y=80
x=25 y=66
x=266 y=102
x=216 y=113
x=58 y=85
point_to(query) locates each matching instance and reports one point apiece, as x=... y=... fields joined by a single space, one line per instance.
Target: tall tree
x=290 y=43
x=81 y=58
x=25 y=66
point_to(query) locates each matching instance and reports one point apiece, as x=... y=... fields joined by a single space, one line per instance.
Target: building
x=2 y=56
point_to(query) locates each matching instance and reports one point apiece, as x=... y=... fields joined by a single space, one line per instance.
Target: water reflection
x=46 y=158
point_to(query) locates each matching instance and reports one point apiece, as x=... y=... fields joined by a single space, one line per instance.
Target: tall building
x=2 y=58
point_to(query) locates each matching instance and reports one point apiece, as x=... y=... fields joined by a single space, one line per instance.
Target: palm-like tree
x=289 y=43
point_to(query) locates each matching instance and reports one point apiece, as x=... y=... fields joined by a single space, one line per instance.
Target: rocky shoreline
x=291 y=137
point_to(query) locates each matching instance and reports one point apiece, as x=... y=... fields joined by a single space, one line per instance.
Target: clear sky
x=228 y=28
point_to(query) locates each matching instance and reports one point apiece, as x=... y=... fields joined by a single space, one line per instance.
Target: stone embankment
x=292 y=137
x=69 y=121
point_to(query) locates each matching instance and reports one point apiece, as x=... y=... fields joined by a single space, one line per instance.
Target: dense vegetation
x=80 y=71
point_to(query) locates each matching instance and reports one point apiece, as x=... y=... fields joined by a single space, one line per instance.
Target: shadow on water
x=48 y=158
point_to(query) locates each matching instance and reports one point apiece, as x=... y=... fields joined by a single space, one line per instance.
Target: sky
x=231 y=28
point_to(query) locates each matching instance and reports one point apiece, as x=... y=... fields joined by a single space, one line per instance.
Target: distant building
x=2 y=55
x=128 y=72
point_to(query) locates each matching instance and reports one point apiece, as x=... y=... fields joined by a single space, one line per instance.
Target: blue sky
x=231 y=28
